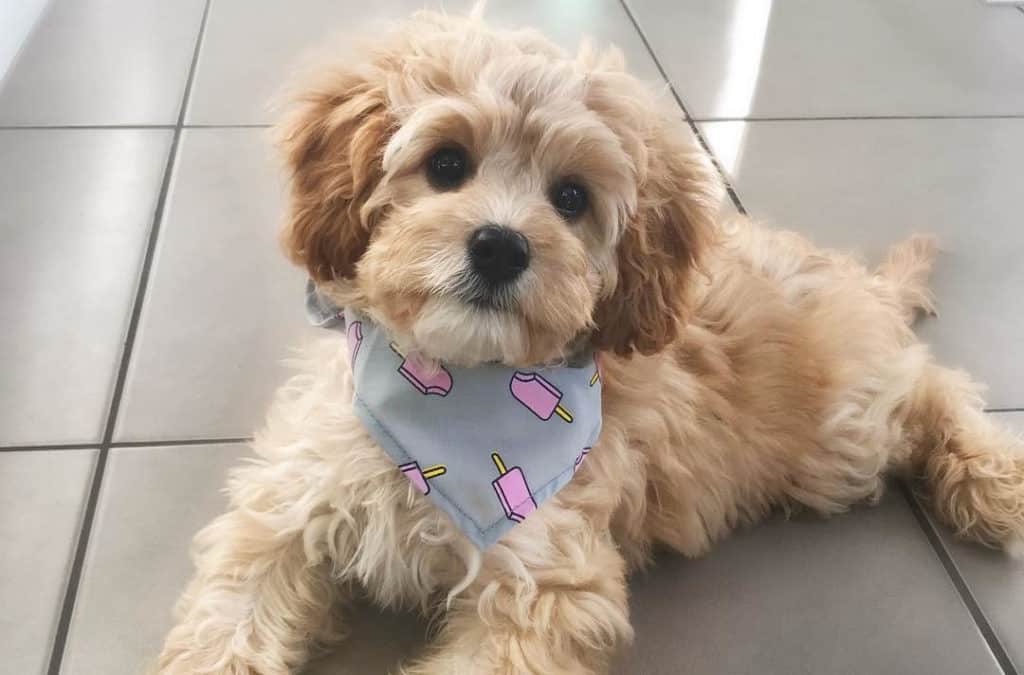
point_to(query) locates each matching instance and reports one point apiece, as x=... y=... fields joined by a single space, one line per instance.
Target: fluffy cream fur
x=744 y=369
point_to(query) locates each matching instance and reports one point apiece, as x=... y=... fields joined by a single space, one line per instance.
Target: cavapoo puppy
x=480 y=200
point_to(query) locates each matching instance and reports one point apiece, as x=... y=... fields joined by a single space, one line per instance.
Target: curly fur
x=744 y=369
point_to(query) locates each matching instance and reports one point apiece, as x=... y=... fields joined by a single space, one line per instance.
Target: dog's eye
x=447 y=168
x=570 y=199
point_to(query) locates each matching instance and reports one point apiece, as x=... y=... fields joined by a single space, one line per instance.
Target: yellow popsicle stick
x=434 y=471
x=563 y=413
x=395 y=349
x=595 y=377
x=498 y=463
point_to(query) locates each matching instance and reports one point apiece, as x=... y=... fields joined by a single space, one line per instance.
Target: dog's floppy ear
x=332 y=140
x=661 y=247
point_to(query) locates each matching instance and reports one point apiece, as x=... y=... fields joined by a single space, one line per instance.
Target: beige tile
x=223 y=307
x=42 y=498
x=152 y=503
x=77 y=207
x=250 y=46
x=103 y=62
x=806 y=58
x=859 y=593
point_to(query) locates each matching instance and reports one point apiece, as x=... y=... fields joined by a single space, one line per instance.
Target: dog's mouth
x=480 y=294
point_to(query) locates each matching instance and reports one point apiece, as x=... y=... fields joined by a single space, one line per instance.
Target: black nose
x=499 y=254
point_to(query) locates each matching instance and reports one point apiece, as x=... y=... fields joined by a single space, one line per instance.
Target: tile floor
x=147 y=309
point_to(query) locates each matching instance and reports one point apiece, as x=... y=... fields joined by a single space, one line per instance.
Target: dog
x=743 y=370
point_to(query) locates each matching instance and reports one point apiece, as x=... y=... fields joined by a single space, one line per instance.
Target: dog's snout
x=499 y=254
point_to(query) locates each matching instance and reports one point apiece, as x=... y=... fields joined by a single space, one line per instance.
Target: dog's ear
x=661 y=246
x=332 y=140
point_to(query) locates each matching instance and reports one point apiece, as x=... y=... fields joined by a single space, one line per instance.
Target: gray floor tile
x=152 y=503
x=224 y=306
x=860 y=185
x=250 y=45
x=379 y=642
x=995 y=579
x=801 y=58
x=19 y=20
x=42 y=495
x=76 y=209
x=103 y=62
x=861 y=593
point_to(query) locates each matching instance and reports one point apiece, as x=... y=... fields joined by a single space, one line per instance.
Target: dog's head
x=487 y=198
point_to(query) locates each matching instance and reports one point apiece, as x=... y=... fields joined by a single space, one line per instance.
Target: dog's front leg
x=256 y=602
x=550 y=598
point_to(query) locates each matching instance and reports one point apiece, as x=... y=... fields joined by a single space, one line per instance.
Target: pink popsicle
x=512 y=490
x=355 y=339
x=538 y=395
x=418 y=477
x=427 y=378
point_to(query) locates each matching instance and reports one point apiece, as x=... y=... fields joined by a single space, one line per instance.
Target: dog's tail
x=973 y=468
x=907 y=268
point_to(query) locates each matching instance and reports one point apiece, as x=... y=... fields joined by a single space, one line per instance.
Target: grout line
x=962 y=589
x=693 y=126
x=161 y=443
x=172 y=443
x=48 y=448
x=94 y=127
x=689 y=119
x=854 y=118
x=79 y=127
x=1003 y=410
x=88 y=517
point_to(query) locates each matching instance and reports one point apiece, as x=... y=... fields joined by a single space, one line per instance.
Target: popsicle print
x=597 y=372
x=579 y=459
x=426 y=378
x=539 y=396
x=512 y=490
x=355 y=340
x=419 y=477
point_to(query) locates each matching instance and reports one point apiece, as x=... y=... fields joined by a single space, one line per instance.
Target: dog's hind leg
x=973 y=468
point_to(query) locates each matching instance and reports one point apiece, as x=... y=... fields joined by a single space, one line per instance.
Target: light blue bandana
x=487 y=444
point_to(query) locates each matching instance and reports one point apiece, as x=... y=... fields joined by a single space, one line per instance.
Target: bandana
x=487 y=444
